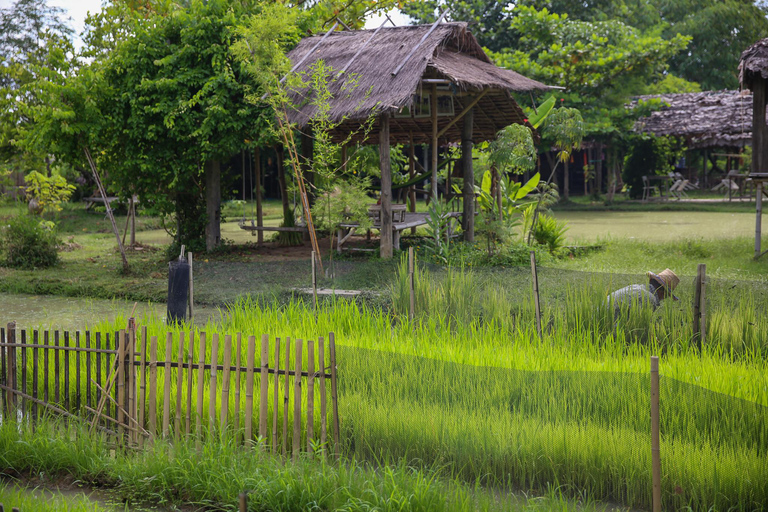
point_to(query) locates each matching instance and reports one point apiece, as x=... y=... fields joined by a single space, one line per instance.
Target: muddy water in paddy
x=32 y=311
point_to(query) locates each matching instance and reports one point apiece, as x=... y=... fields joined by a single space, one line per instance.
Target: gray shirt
x=636 y=293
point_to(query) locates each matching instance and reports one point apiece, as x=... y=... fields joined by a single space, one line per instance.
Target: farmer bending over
x=659 y=287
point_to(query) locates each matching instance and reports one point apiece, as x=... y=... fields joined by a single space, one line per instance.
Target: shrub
x=29 y=243
x=550 y=232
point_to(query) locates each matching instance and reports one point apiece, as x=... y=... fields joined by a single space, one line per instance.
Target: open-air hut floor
x=423 y=84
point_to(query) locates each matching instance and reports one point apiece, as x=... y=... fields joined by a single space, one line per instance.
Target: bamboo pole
x=35 y=378
x=759 y=218
x=121 y=355
x=310 y=395
x=130 y=374
x=314 y=283
x=249 y=390
x=323 y=411
x=213 y=380
x=179 y=386
x=703 y=304
x=191 y=288
x=236 y=409
x=334 y=394
x=152 y=427
x=276 y=398
x=411 y=285
x=286 y=390
x=200 y=388
x=190 y=374
x=264 y=390
x=697 y=309
x=655 y=451
x=65 y=399
x=297 y=403
x=537 y=305
x=23 y=349
x=167 y=385
x=56 y=371
x=143 y=381
x=78 y=380
x=225 y=383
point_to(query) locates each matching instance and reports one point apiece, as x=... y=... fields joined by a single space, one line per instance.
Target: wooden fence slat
x=225 y=382
x=23 y=372
x=152 y=413
x=56 y=371
x=167 y=384
x=310 y=395
x=36 y=337
x=334 y=395
x=97 y=343
x=88 y=375
x=3 y=373
x=108 y=365
x=250 y=362
x=179 y=386
x=200 y=388
x=66 y=371
x=297 y=403
x=78 y=383
x=286 y=391
x=214 y=378
x=142 y=383
x=323 y=410
x=10 y=379
x=275 y=405
x=130 y=380
x=236 y=409
x=190 y=366
x=121 y=343
x=264 y=389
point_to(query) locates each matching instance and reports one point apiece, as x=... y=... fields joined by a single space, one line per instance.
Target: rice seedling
x=42 y=501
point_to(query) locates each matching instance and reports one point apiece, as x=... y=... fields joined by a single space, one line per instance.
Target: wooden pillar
x=758 y=222
x=257 y=185
x=703 y=179
x=133 y=221
x=411 y=174
x=433 y=109
x=385 y=247
x=468 y=211
x=212 y=204
x=759 y=128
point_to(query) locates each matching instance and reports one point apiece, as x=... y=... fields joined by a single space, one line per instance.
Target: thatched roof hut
x=396 y=70
x=754 y=63
x=705 y=119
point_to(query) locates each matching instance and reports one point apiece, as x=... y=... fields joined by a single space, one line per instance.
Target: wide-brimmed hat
x=667 y=279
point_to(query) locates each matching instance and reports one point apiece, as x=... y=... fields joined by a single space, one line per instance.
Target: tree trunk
x=468 y=214
x=307 y=159
x=566 y=180
x=212 y=204
x=281 y=181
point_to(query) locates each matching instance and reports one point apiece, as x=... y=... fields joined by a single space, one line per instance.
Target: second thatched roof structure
x=395 y=68
x=704 y=119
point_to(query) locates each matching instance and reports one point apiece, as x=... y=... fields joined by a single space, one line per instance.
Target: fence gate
x=138 y=388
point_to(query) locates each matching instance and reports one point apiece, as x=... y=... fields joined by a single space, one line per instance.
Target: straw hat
x=667 y=279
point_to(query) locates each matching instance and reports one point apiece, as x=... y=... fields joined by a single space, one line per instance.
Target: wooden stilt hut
x=425 y=84
x=753 y=75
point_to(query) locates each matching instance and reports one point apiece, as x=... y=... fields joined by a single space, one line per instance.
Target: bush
x=29 y=243
x=650 y=155
x=550 y=232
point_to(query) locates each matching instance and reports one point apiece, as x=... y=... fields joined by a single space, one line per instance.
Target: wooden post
x=759 y=219
x=264 y=389
x=130 y=379
x=386 y=241
x=468 y=210
x=259 y=214
x=66 y=354
x=703 y=304
x=759 y=127
x=297 y=402
x=250 y=362
x=411 y=287
x=535 y=281
x=10 y=397
x=310 y=395
x=36 y=341
x=167 y=385
x=190 y=376
x=225 y=382
x=323 y=410
x=276 y=397
x=179 y=387
x=152 y=427
x=433 y=112
x=411 y=175
x=243 y=505
x=334 y=394
x=191 y=288
x=214 y=376
x=655 y=451
x=697 y=309
x=286 y=391
x=121 y=357
x=236 y=408
x=200 y=387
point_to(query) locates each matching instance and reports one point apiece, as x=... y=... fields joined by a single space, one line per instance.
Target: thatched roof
x=704 y=119
x=754 y=62
x=450 y=52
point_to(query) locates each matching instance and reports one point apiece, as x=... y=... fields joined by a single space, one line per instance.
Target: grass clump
x=29 y=243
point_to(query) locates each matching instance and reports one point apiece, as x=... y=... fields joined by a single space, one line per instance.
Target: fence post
x=411 y=287
x=536 y=293
x=10 y=400
x=243 y=505
x=130 y=381
x=334 y=395
x=703 y=304
x=697 y=308
x=191 y=288
x=655 y=451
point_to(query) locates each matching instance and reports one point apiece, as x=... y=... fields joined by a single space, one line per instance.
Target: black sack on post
x=178 y=288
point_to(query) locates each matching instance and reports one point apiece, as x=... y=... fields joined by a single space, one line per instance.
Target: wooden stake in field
x=655 y=451
x=702 y=271
x=537 y=305
x=264 y=390
x=334 y=394
x=411 y=287
x=297 y=403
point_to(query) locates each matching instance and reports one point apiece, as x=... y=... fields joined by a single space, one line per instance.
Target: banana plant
x=511 y=193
